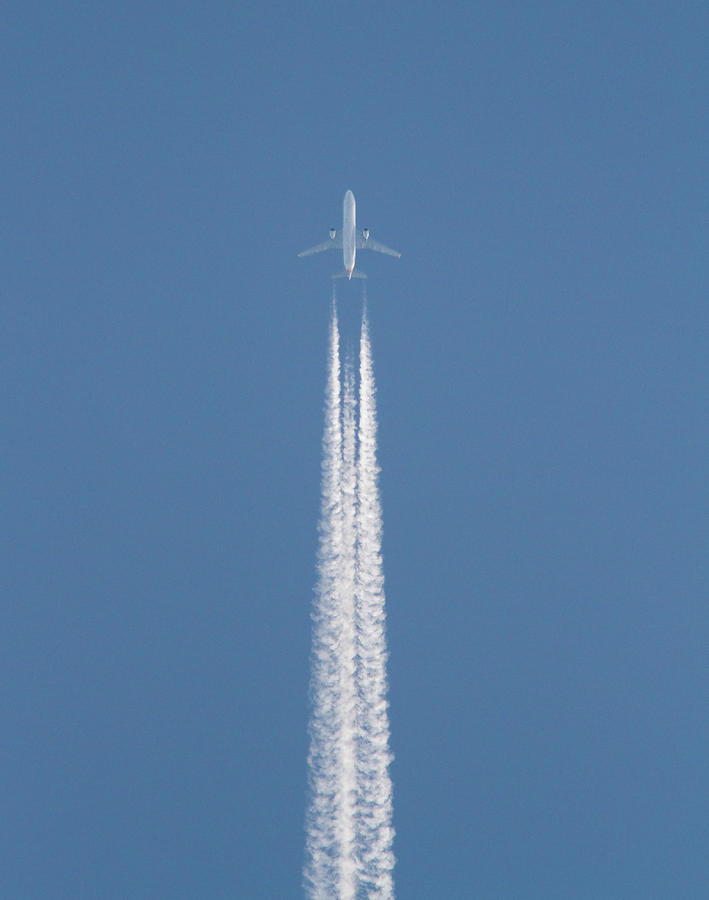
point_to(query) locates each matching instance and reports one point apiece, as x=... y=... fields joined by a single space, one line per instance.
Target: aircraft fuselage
x=349 y=233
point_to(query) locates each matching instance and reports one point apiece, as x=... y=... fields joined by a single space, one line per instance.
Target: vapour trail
x=347 y=794
x=321 y=872
x=375 y=832
x=349 y=819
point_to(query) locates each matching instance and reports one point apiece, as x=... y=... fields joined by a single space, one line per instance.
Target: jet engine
x=333 y=232
x=365 y=233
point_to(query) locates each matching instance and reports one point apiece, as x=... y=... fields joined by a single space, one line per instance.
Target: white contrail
x=322 y=850
x=349 y=819
x=375 y=832
x=330 y=868
x=347 y=700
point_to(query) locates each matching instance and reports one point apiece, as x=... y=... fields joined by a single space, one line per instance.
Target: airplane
x=350 y=241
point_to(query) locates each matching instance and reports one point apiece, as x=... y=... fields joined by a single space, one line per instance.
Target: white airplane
x=349 y=241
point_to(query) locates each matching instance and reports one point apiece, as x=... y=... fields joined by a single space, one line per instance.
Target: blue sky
x=541 y=360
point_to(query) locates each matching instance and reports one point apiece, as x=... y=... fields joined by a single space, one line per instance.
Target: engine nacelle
x=365 y=233
x=333 y=232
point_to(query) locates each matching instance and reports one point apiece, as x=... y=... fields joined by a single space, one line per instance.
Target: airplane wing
x=368 y=243
x=331 y=244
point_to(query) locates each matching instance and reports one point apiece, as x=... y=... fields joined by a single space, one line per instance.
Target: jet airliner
x=349 y=240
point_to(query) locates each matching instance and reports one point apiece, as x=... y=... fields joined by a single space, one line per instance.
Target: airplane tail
x=355 y=274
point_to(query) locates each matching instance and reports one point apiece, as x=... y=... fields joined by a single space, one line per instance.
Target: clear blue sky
x=541 y=358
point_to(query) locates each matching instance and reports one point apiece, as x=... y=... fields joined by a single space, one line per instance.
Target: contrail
x=321 y=871
x=374 y=790
x=347 y=730
x=349 y=819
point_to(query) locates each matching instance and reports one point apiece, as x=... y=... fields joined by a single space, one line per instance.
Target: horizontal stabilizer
x=355 y=274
